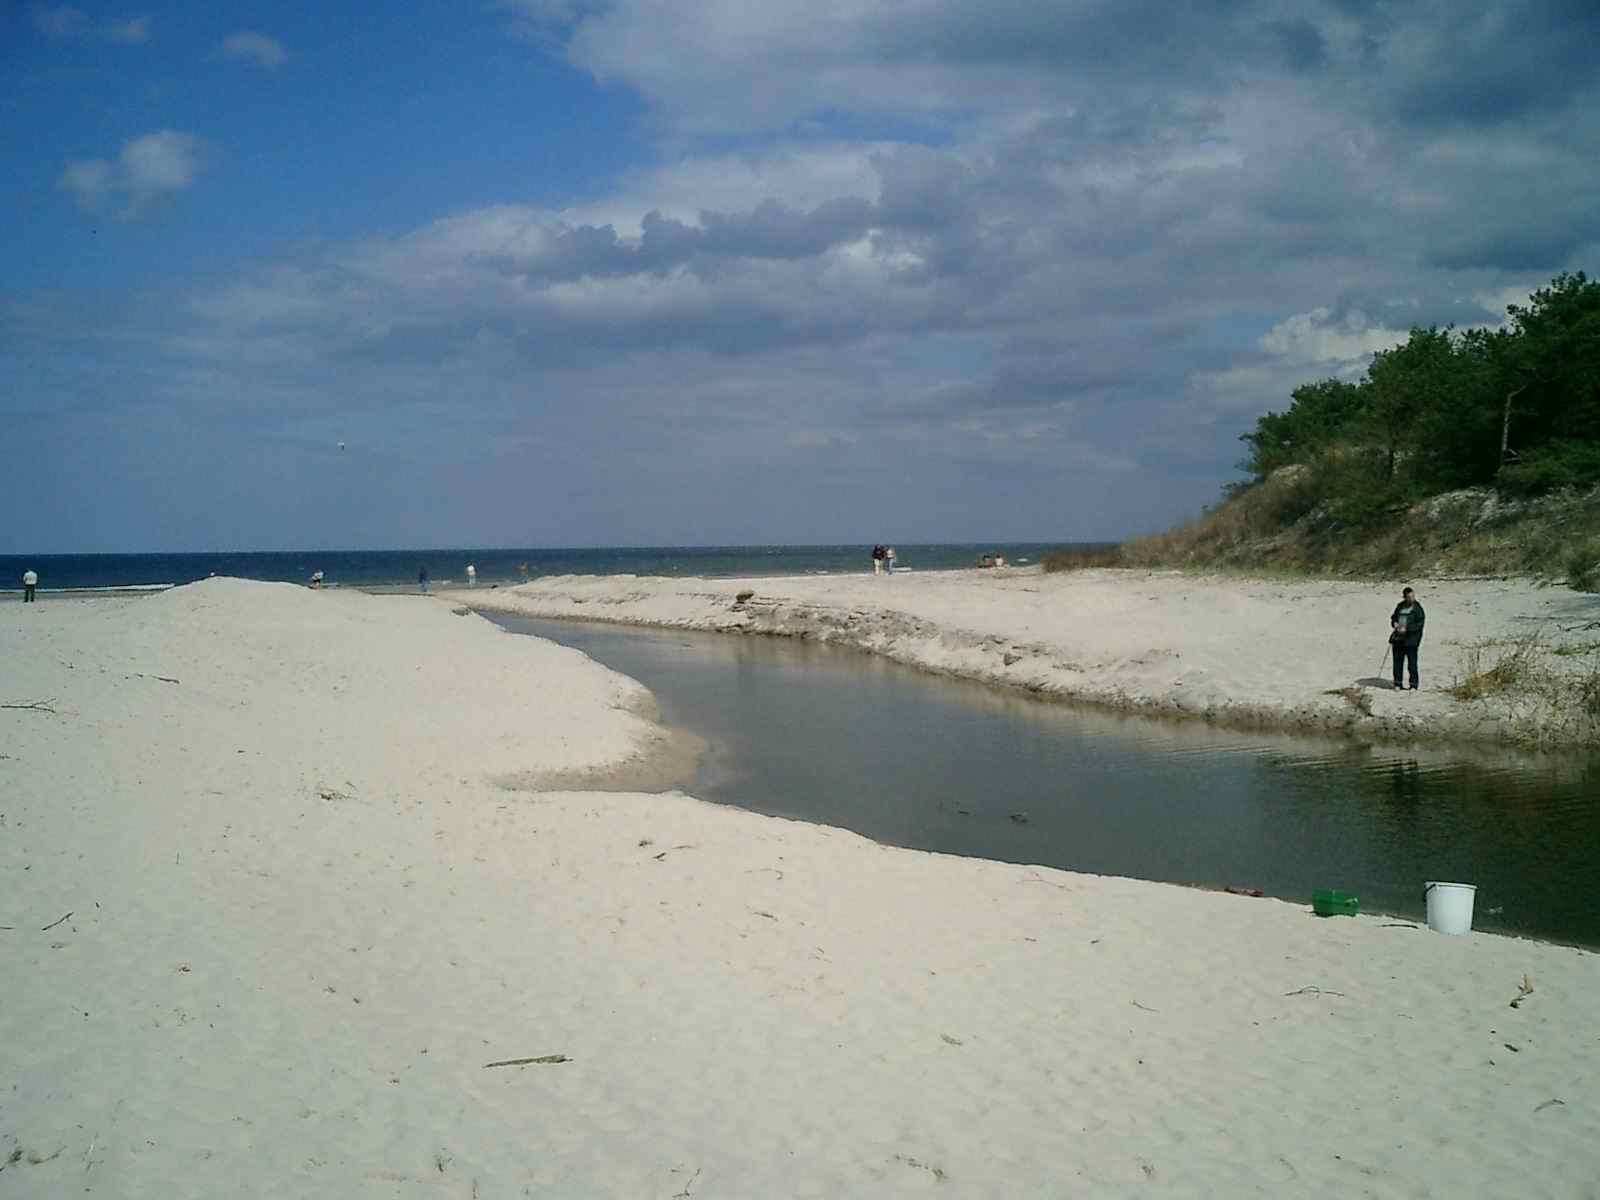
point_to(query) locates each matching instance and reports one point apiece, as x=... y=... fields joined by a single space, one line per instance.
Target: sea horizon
x=495 y=566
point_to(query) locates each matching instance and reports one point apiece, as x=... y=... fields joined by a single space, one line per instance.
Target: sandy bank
x=1303 y=655
x=270 y=914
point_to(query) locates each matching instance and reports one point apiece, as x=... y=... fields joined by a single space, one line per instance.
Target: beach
x=328 y=894
x=1306 y=655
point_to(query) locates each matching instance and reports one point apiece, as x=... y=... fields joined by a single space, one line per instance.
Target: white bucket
x=1449 y=906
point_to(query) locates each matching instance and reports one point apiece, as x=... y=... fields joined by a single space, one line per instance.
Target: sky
x=629 y=272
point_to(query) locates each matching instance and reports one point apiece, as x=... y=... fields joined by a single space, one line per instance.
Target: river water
x=819 y=733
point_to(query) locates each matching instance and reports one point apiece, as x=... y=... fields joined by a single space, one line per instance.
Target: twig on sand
x=162 y=678
x=1524 y=990
x=684 y=1195
x=53 y=924
x=1548 y=1103
x=1146 y=1008
x=1312 y=990
x=523 y=1062
x=1031 y=878
x=33 y=706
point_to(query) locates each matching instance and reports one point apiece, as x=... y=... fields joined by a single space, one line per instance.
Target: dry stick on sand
x=53 y=924
x=33 y=706
x=523 y=1062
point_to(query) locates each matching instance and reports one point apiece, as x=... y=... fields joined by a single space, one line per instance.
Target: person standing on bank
x=1405 y=636
x=472 y=574
x=422 y=579
x=30 y=580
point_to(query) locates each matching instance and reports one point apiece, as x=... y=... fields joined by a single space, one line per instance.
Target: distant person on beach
x=888 y=559
x=422 y=579
x=472 y=575
x=316 y=578
x=1405 y=636
x=877 y=560
x=30 y=580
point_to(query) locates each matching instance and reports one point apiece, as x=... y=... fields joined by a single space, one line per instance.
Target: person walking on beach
x=877 y=559
x=1405 y=636
x=888 y=559
x=316 y=578
x=422 y=579
x=30 y=580
x=472 y=575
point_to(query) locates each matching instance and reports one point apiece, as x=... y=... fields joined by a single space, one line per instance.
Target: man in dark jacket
x=1405 y=625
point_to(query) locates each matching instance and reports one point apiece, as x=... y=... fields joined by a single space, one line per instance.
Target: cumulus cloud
x=149 y=169
x=1317 y=340
x=68 y=22
x=258 y=48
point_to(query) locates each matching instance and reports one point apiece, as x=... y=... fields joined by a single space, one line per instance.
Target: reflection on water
x=823 y=734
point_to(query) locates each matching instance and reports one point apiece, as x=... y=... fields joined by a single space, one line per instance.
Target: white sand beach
x=286 y=913
x=1307 y=654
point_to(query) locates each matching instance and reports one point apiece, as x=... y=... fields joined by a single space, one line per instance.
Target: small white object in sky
x=341 y=445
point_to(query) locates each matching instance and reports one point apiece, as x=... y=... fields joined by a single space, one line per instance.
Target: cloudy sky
x=634 y=272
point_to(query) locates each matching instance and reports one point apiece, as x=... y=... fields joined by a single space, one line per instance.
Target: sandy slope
x=305 y=915
x=1309 y=654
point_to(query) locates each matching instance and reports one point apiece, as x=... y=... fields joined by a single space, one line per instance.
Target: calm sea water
x=386 y=569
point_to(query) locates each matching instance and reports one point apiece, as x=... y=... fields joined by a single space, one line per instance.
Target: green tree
x=1319 y=415
x=1552 y=414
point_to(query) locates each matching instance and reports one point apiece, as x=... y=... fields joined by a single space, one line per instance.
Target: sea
x=396 y=570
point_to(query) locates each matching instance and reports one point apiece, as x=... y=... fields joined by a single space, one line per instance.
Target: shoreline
x=1243 y=653
x=276 y=926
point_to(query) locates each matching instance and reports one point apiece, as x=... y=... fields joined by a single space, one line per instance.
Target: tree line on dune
x=1516 y=409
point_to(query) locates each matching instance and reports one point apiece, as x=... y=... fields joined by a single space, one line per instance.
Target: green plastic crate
x=1329 y=903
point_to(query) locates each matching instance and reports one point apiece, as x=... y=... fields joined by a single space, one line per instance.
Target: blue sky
x=569 y=272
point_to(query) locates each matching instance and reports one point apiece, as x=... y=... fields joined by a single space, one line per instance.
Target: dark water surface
x=825 y=734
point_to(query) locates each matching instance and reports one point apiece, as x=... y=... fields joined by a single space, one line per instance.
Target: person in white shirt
x=30 y=580
x=472 y=575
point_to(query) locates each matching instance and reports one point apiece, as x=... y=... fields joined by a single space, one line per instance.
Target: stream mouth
x=818 y=733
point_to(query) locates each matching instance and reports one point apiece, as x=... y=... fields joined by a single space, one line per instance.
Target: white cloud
x=1300 y=348
x=799 y=176
x=148 y=170
x=87 y=180
x=1499 y=299
x=66 y=21
x=1310 y=338
x=249 y=46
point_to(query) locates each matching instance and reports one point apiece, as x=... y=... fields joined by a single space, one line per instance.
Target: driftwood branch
x=53 y=924
x=33 y=706
x=523 y=1062
x=1312 y=990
